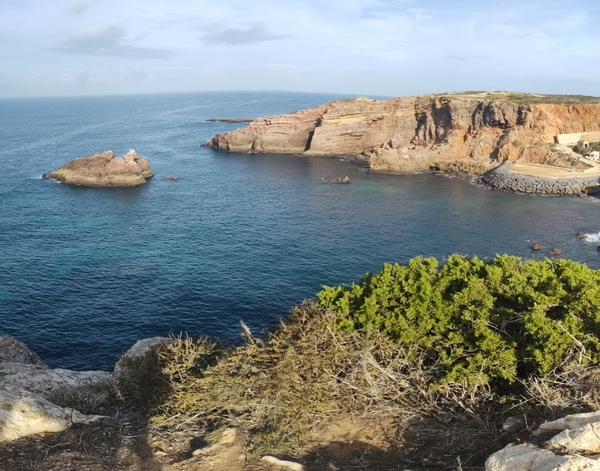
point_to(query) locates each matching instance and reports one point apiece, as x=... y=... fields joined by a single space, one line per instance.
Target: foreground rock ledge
x=104 y=169
x=28 y=389
x=575 y=448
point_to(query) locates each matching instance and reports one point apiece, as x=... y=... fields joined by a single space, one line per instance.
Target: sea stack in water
x=104 y=169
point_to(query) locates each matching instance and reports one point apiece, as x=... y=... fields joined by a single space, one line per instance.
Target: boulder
x=530 y=458
x=26 y=390
x=104 y=169
x=13 y=351
x=575 y=448
x=23 y=414
x=139 y=349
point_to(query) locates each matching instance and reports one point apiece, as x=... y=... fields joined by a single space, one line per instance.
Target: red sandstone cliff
x=462 y=132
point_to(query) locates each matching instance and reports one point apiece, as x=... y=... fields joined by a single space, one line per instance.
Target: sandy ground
x=555 y=172
x=552 y=172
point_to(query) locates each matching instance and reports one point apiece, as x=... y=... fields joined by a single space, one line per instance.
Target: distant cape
x=470 y=132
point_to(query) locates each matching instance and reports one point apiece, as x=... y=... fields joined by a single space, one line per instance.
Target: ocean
x=86 y=272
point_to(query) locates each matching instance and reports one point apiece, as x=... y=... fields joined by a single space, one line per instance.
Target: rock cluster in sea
x=502 y=179
x=104 y=169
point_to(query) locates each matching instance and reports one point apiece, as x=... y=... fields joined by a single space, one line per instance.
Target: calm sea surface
x=84 y=273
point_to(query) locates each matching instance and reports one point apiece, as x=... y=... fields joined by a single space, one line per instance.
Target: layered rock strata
x=457 y=132
x=104 y=169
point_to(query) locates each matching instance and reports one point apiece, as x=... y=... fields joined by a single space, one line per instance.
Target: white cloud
x=81 y=7
x=298 y=44
x=107 y=41
x=68 y=78
x=229 y=36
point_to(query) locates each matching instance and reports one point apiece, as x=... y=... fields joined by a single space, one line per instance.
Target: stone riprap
x=503 y=180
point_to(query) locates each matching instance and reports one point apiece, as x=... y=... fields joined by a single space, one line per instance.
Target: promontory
x=471 y=132
x=104 y=169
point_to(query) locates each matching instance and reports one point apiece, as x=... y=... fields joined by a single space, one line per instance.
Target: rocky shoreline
x=27 y=409
x=470 y=133
x=502 y=179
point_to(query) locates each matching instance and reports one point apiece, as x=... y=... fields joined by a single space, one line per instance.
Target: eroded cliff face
x=468 y=133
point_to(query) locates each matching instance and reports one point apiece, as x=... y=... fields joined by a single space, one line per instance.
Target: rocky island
x=104 y=169
x=470 y=133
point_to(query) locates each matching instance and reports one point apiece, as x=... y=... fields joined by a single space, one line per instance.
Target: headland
x=463 y=133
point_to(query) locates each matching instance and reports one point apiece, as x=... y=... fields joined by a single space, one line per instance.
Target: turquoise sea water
x=84 y=272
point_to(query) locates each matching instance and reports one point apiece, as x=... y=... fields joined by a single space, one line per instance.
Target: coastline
x=503 y=179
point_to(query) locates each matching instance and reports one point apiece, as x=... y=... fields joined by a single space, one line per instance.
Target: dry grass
x=305 y=376
x=525 y=98
x=298 y=388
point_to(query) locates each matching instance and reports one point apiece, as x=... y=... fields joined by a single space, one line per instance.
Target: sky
x=357 y=47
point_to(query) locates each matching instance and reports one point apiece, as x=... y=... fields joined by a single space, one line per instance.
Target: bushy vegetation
x=467 y=338
x=592 y=146
x=474 y=322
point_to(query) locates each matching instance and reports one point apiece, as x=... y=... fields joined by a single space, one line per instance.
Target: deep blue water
x=84 y=273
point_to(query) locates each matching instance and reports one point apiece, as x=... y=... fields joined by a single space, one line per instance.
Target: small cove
x=87 y=272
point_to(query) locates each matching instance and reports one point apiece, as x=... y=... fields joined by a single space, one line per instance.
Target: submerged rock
x=104 y=169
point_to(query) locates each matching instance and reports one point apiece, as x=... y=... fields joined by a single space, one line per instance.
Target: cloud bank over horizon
x=362 y=47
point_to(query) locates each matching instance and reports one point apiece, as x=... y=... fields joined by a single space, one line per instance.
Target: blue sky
x=362 y=47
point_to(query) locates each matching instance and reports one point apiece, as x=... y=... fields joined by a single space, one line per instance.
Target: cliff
x=470 y=132
x=104 y=169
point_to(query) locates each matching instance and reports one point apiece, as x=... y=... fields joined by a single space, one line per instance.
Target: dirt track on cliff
x=552 y=172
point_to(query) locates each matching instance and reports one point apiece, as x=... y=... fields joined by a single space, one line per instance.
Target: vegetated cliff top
x=522 y=98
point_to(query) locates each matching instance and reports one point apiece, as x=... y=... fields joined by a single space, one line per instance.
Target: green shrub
x=477 y=322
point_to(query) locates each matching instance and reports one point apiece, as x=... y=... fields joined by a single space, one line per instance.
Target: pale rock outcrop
x=23 y=414
x=13 y=351
x=104 y=169
x=454 y=132
x=570 y=422
x=531 y=458
x=26 y=386
x=575 y=448
x=137 y=351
